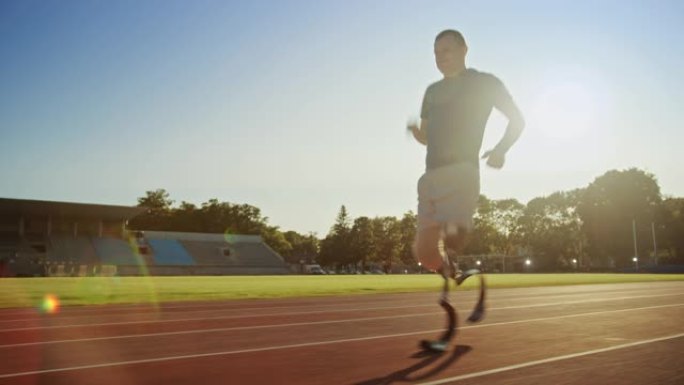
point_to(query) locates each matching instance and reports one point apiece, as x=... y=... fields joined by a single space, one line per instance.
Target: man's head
x=450 y=52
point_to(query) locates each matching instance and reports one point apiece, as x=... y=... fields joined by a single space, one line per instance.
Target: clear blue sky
x=298 y=107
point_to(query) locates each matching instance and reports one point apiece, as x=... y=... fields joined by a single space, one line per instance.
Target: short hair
x=451 y=32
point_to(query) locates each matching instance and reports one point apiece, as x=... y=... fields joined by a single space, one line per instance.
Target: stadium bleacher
x=216 y=253
x=18 y=257
x=169 y=252
x=68 y=248
x=8 y=244
x=78 y=239
x=210 y=253
x=257 y=254
x=114 y=251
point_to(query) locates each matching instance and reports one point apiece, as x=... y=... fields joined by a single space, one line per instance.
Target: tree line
x=591 y=228
x=214 y=216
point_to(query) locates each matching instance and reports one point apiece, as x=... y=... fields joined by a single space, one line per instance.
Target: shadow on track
x=403 y=375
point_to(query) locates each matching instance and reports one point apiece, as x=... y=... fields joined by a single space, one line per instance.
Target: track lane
x=370 y=362
x=36 y=334
x=112 y=352
x=9 y=315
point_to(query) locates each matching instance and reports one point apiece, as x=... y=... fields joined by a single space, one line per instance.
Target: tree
x=407 y=231
x=158 y=212
x=335 y=247
x=363 y=242
x=186 y=218
x=276 y=240
x=388 y=241
x=213 y=216
x=342 y=222
x=589 y=225
x=485 y=236
x=156 y=201
x=505 y=218
x=552 y=229
x=670 y=228
x=303 y=247
x=608 y=207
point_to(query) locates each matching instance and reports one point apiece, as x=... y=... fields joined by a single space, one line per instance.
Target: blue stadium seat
x=169 y=252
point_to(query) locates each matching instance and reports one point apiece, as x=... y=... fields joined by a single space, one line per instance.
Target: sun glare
x=567 y=111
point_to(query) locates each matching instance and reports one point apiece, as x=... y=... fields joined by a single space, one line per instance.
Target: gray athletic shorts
x=448 y=196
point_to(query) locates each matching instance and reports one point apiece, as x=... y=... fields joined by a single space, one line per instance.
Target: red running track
x=594 y=334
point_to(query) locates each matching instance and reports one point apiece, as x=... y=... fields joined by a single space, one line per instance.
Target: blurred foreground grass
x=29 y=292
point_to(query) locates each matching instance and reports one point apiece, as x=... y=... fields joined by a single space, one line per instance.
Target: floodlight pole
x=636 y=253
x=655 y=246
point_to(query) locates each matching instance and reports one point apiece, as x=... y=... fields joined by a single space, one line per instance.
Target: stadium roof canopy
x=34 y=208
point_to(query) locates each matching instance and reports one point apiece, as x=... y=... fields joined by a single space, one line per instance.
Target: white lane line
x=269 y=348
x=217 y=309
x=234 y=310
x=76 y=313
x=325 y=311
x=82 y=313
x=231 y=317
x=588 y=301
x=570 y=316
x=319 y=343
x=196 y=331
x=295 y=324
x=551 y=359
x=213 y=311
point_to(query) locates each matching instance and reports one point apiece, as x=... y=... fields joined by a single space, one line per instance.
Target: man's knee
x=455 y=239
x=428 y=249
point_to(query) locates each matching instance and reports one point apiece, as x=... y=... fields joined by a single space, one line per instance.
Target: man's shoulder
x=482 y=76
x=434 y=85
x=472 y=74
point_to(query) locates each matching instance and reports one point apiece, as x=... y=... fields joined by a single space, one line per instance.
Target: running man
x=454 y=114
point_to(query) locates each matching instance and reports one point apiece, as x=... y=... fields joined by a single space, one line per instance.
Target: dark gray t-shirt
x=457 y=110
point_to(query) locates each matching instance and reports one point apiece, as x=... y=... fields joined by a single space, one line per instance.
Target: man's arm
x=496 y=157
x=420 y=133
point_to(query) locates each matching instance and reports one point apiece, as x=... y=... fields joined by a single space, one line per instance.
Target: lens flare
x=50 y=304
x=142 y=262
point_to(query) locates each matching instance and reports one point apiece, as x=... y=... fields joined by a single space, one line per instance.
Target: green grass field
x=29 y=292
